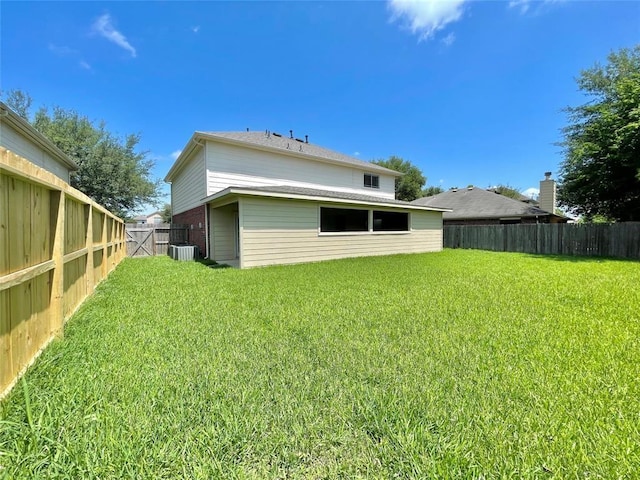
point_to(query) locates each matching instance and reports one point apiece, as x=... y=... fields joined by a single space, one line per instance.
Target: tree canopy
x=431 y=191
x=409 y=186
x=110 y=170
x=166 y=213
x=507 y=191
x=600 y=175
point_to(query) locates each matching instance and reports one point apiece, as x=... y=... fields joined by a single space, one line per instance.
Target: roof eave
x=366 y=167
x=242 y=191
x=24 y=127
x=190 y=146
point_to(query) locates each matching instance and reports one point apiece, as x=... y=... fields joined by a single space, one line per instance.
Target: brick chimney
x=547 y=198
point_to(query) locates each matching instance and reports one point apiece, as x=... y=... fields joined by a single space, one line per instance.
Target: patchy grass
x=462 y=364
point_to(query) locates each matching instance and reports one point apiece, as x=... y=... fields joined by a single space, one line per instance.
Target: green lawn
x=460 y=364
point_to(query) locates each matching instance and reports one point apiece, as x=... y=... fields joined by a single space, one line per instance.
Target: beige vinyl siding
x=230 y=165
x=188 y=187
x=222 y=232
x=281 y=231
x=12 y=140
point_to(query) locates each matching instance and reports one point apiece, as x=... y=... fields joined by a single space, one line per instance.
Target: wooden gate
x=154 y=239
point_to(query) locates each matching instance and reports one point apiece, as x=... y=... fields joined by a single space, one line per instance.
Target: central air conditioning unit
x=182 y=253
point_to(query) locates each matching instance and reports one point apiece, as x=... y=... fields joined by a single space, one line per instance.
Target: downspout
x=206 y=228
x=206 y=194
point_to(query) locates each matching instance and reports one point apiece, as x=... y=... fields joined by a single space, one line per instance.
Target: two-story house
x=261 y=198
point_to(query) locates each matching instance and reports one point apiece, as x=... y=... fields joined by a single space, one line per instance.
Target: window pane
x=390 y=221
x=343 y=220
x=371 y=181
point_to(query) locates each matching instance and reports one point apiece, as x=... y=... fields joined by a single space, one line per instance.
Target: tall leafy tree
x=600 y=175
x=19 y=102
x=409 y=186
x=110 y=169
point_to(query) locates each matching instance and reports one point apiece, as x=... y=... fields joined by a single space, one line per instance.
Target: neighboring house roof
x=470 y=203
x=25 y=128
x=272 y=142
x=300 y=193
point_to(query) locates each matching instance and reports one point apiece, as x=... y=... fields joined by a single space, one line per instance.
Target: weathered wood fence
x=154 y=238
x=56 y=245
x=603 y=240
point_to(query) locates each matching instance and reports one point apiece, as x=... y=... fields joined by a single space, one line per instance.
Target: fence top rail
x=17 y=166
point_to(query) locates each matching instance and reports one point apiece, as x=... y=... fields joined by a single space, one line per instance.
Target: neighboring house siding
x=222 y=233
x=188 y=187
x=18 y=144
x=281 y=231
x=229 y=165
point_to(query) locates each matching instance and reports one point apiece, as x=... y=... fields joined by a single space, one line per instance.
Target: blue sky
x=471 y=92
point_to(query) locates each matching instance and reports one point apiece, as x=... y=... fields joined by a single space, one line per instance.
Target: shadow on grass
x=579 y=258
x=206 y=262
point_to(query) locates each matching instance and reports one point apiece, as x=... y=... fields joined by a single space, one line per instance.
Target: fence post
x=56 y=321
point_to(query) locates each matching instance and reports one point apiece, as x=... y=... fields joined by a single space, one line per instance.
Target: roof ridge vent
x=276 y=134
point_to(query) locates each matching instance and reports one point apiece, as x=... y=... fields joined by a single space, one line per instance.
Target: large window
x=390 y=221
x=371 y=181
x=357 y=220
x=343 y=220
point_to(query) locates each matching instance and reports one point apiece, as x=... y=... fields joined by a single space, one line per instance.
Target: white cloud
x=449 y=39
x=105 y=28
x=531 y=192
x=425 y=17
x=61 y=50
x=525 y=5
x=176 y=154
x=356 y=154
x=85 y=65
x=195 y=29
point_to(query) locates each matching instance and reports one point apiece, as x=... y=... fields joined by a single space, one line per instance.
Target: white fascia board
x=26 y=129
x=191 y=145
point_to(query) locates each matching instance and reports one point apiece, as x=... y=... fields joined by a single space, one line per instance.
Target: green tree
x=431 y=191
x=408 y=186
x=166 y=213
x=19 y=102
x=110 y=170
x=600 y=174
x=508 y=191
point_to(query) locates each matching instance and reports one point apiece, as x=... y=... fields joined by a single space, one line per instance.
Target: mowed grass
x=460 y=364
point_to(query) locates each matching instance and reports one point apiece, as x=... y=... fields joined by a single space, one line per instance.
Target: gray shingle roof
x=284 y=142
x=314 y=192
x=479 y=203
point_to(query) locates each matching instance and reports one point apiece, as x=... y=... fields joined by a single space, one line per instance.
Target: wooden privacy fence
x=603 y=240
x=154 y=238
x=56 y=245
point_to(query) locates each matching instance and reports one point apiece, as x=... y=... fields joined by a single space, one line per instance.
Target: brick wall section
x=195 y=220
